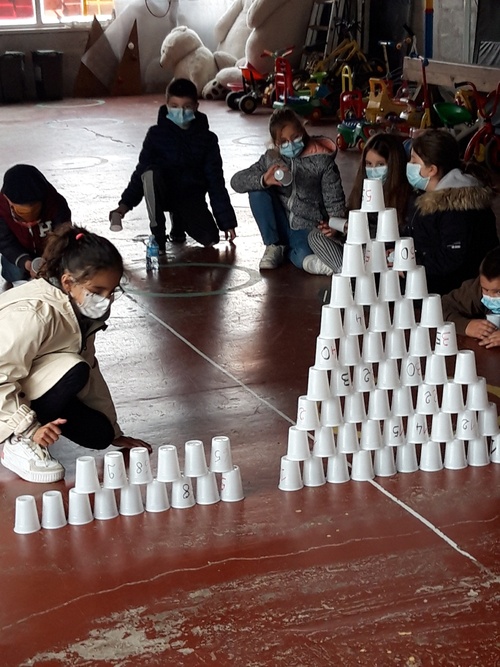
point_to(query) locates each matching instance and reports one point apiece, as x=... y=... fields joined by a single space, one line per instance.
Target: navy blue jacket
x=191 y=162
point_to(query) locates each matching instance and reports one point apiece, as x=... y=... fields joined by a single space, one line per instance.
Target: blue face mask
x=181 y=117
x=292 y=148
x=377 y=173
x=492 y=303
x=415 y=179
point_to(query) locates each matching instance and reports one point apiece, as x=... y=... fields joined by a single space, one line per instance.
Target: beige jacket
x=40 y=341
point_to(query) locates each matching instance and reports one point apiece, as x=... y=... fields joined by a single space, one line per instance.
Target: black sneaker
x=177 y=237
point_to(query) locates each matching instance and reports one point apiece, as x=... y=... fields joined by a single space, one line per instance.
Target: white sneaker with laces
x=313 y=264
x=30 y=461
x=274 y=256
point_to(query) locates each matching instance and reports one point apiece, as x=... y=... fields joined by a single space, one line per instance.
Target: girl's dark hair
x=280 y=118
x=490 y=266
x=77 y=251
x=439 y=148
x=396 y=188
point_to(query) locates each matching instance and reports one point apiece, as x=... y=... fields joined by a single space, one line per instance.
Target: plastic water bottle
x=152 y=255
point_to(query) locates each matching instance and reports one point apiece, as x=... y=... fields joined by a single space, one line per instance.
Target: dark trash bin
x=48 y=70
x=12 y=76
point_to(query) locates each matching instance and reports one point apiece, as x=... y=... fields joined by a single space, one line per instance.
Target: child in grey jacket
x=293 y=187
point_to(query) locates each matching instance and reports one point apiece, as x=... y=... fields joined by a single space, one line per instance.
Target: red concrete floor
x=398 y=571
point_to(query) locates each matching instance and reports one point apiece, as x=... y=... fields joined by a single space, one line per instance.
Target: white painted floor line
x=439 y=533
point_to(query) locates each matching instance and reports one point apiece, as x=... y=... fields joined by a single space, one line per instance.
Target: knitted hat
x=24 y=184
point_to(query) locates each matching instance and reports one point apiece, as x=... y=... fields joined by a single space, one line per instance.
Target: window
x=14 y=13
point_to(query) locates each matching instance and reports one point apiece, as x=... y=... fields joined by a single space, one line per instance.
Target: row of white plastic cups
x=358 y=229
x=358 y=262
x=385 y=464
x=131 y=501
x=115 y=475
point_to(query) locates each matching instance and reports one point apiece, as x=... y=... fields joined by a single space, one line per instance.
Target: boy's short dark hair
x=182 y=88
x=490 y=266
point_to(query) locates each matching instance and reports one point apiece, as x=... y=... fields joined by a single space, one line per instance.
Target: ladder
x=322 y=30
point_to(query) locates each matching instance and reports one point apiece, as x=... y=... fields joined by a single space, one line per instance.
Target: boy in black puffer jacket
x=179 y=164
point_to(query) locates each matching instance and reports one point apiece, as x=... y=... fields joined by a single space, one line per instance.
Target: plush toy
x=275 y=25
x=232 y=30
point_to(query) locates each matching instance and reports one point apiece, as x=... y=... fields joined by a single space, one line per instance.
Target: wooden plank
x=446 y=74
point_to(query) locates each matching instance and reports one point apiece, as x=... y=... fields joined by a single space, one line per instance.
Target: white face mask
x=93 y=306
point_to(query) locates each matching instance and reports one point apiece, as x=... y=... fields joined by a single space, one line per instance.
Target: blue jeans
x=274 y=227
x=11 y=272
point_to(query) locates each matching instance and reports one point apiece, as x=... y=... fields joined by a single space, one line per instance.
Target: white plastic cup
x=416 y=284
x=487 y=420
x=354 y=321
x=307 y=414
x=384 y=464
x=298 y=445
x=326 y=353
x=37 y=264
x=349 y=354
x=26 y=520
x=404 y=255
x=337 y=471
x=378 y=404
x=331 y=321
x=477 y=452
x=116 y=222
x=331 y=412
x=340 y=382
x=430 y=457
x=156 y=497
x=341 y=291
x=105 y=506
x=362 y=466
x=353 y=261
x=432 y=312
x=380 y=319
x=115 y=474
x=495 y=449
x=53 y=515
x=207 y=492
x=231 y=490
x=465 y=367
x=347 y=438
x=417 y=431
x=357 y=227
x=435 y=370
x=195 y=463
x=442 y=430
x=290 y=475
x=455 y=457
x=387 y=225
x=354 y=408
x=182 y=493
x=372 y=198
x=371 y=435
x=393 y=432
x=427 y=399
x=313 y=473
x=388 y=374
x=466 y=428
x=389 y=287
x=86 y=480
x=420 y=342
x=283 y=176
x=131 y=502
x=406 y=458
x=453 y=400
x=477 y=395
x=365 y=293
x=402 y=402
x=373 y=348
x=324 y=443
x=411 y=371
x=168 y=464
x=404 y=314
x=79 y=510
x=318 y=387
x=221 y=459
x=375 y=257
x=446 y=340
x=139 y=468
x=395 y=344
x=363 y=377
